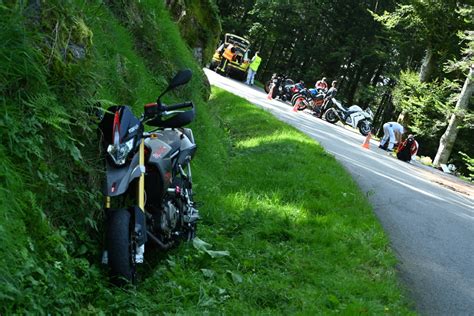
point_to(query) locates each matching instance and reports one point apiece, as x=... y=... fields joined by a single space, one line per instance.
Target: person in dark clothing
x=407 y=150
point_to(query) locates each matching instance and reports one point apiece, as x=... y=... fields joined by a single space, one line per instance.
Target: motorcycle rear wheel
x=331 y=116
x=119 y=246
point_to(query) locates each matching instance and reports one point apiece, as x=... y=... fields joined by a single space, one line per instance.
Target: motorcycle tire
x=293 y=98
x=365 y=127
x=267 y=86
x=275 y=93
x=213 y=66
x=300 y=102
x=331 y=116
x=119 y=246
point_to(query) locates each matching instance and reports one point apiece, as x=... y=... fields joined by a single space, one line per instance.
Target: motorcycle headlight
x=120 y=152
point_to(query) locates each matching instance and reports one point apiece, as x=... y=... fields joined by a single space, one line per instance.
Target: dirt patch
x=446 y=180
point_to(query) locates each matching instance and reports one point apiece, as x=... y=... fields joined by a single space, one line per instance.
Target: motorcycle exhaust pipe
x=160 y=244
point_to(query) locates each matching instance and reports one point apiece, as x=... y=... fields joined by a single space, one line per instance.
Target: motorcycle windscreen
x=122 y=119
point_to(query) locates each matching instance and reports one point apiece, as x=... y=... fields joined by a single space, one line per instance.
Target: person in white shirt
x=392 y=133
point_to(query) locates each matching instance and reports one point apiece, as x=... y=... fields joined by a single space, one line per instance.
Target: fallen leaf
x=208 y=273
x=217 y=254
x=236 y=277
x=200 y=244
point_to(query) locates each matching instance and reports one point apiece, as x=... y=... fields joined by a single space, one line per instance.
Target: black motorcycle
x=148 y=187
x=282 y=87
x=312 y=99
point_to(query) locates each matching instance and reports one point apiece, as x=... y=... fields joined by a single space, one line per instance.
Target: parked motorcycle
x=353 y=116
x=312 y=99
x=282 y=86
x=148 y=185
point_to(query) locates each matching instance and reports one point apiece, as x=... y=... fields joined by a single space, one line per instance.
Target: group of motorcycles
x=321 y=103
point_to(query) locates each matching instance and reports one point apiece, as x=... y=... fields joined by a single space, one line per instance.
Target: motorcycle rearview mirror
x=182 y=77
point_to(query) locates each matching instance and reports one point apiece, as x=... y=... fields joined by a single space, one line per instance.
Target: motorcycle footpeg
x=105 y=257
x=193 y=216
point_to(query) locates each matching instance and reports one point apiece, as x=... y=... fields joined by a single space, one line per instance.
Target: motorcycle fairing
x=118 y=179
x=167 y=145
x=356 y=115
x=354 y=118
x=187 y=149
x=160 y=152
x=129 y=124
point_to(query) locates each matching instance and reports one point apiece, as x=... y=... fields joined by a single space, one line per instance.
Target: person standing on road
x=253 y=67
x=392 y=134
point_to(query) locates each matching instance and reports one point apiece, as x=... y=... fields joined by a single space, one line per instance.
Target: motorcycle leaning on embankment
x=148 y=187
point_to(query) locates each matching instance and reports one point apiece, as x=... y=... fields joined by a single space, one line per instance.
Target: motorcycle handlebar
x=178 y=106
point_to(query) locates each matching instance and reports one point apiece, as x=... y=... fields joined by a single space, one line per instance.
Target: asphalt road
x=430 y=225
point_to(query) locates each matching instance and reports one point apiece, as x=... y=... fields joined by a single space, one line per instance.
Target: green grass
x=294 y=232
x=260 y=84
x=300 y=233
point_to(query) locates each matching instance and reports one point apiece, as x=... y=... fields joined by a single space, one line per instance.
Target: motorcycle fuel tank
x=168 y=147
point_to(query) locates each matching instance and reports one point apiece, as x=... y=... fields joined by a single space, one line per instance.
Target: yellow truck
x=231 y=57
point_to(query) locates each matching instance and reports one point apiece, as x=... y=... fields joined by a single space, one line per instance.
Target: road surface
x=428 y=216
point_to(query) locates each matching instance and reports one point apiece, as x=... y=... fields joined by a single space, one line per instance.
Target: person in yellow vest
x=253 y=67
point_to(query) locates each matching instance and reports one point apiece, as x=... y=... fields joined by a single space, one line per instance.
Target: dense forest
x=407 y=59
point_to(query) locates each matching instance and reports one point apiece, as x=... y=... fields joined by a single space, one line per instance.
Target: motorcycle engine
x=169 y=217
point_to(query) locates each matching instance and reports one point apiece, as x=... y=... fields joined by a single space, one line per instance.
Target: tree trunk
x=428 y=66
x=270 y=56
x=354 y=85
x=446 y=142
x=375 y=79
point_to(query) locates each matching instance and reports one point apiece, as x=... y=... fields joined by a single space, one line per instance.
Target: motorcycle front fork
x=139 y=250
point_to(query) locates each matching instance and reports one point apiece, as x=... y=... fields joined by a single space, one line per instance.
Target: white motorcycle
x=353 y=116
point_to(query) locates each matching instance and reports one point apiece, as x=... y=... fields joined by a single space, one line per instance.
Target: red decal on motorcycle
x=116 y=127
x=168 y=176
x=157 y=154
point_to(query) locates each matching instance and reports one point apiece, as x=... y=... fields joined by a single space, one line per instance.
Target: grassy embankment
x=296 y=234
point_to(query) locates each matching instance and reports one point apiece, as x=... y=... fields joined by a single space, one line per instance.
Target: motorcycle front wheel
x=119 y=246
x=331 y=116
x=365 y=127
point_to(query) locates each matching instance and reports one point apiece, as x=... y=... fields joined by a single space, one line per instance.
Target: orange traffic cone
x=366 y=142
x=270 y=93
